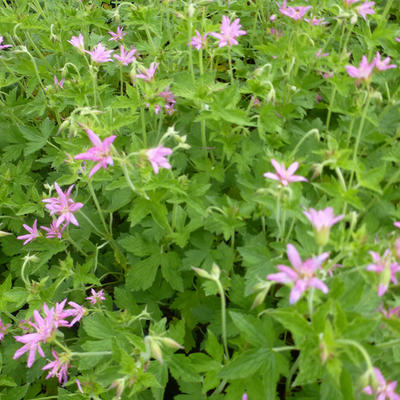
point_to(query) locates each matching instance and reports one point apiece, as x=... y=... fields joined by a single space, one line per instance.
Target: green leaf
x=246 y=364
x=142 y=274
x=170 y=265
x=98 y=326
x=182 y=368
x=251 y=328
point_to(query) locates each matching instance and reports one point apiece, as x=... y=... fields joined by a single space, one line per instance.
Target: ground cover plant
x=199 y=200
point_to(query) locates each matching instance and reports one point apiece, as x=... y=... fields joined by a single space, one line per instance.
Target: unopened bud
x=202 y=273
x=215 y=271
x=191 y=10
x=171 y=343
x=156 y=351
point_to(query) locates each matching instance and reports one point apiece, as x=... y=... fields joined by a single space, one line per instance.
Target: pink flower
x=398 y=39
x=383 y=389
x=322 y=221
x=229 y=32
x=125 y=57
x=296 y=13
x=315 y=21
x=58 y=83
x=44 y=330
x=77 y=311
x=318 y=98
x=364 y=72
x=397 y=247
x=58 y=314
x=382 y=65
x=366 y=9
x=272 y=18
x=54 y=231
x=348 y=3
x=384 y=266
x=59 y=368
x=63 y=206
x=157 y=157
x=389 y=313
x=303 y=274
x=319 y=54
x=3 y=327
x=99 y=54
x=119 y=35
x=3 y=46
x=100 y=153
x=77 y=41
x=397 y=224
x=95 y=297
x=285 y=176
x=32 y=235
x=327 y=75
x=148 y=74
x=198 y=42
x=169 y=98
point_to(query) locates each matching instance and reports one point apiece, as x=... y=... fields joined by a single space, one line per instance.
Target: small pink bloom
x=58 y=83
x=3 y=328
x=364 y=72
x=382 y=65
x=296 y=13
x=272 y=18
x=148 y=74
x=319 y=54
x=99 y=54
x=322 y=219
x=390 y=312
x=59 y=368
x=327 y=75
x=77 y=41
x=119 y=35
x=198 y=42
x=54 y=231
x=397 y=224
x=318 y=98
x=63 y=206
x=382 y=389
x=398 y=39
x=315 y=21
x=244 y=397
x=278 y=33
x=100 y=153
x=285 y=176
x=302 y=274
x=44 y=330
x=32 y=235
x=229 y=32
x=386 y=268
x=366 y=9
x=3 y=46
x=77 y=311
x=157 y=158
x=95 y=297
x=126 y=57
x=58 y=314
x=170 y=101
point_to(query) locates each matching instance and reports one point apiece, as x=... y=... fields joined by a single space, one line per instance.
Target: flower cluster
x=296 y=13
x=364 y=72
x=44 y=328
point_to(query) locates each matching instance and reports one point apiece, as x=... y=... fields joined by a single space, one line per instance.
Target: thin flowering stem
x=358 y=138
x=97 y=204
x=91 y=353
x=230 y=64
x=360 y=348
x=190 y=29
x=223 y=318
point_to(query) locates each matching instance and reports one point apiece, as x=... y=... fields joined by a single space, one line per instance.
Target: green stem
x=99 y=210
x=230 y=64
x=190 y=49
x=358 y=138
x=91 y=353
x=360 y=348
x=223 y=318
x=99 y=233
x=26 y=280
x=68 y=351
x=391 y=343
x=284 y=348
x=121 y=80
x=310 y=302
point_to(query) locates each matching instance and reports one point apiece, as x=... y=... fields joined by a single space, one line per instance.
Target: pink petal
x=293 y=256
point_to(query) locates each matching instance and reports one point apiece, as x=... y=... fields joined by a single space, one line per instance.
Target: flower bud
x=202 y=273
x=171 y=343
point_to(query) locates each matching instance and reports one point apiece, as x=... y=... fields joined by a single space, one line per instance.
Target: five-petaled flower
x=382 y=389
x=78 y=42
x=148 y=74
x=32 y=235
x=386 y=268
x=157 y=157
x=99 y=54
x=198 y=42
x=100 y=153
x=303 y=274
x=285 y=176
x=364 y=72
x=63 y=206
x=296 y=13
x=365 y=9
x=54 y=231
x=229 y=32
x=383 y=65
x=96 y=296
x=59 y=367
x=322 y=222
x=126 y=57
x=119 y=35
